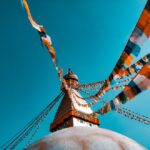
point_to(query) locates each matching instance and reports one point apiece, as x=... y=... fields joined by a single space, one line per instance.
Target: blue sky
x=88 y=36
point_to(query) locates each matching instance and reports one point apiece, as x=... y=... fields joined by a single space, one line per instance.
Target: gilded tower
x=69 y=113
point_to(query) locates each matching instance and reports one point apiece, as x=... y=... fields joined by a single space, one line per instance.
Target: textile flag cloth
x=46 y=40
x=132 y=49
x=132 y=70
x=139 y=84
x=128 y=74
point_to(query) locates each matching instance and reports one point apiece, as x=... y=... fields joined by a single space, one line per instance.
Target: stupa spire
x=69 y=113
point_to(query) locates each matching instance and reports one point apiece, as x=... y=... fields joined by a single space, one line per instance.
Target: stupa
x=73 y=128
x=69 y=113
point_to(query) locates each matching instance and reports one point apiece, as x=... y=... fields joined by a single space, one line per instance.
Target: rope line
x=132 y=115
x=13 y=142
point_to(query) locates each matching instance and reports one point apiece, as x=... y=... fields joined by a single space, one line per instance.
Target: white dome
x=85 y=138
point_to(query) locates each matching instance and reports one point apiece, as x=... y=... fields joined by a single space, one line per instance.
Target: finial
x=69 y=71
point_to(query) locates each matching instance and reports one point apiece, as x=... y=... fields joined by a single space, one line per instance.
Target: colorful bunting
x=129 y=72
x=139 y=35
x=94 y=100
x=91 y=86
x=139 y=84
x=133 y=69
x=142 y=81
x=46 y=40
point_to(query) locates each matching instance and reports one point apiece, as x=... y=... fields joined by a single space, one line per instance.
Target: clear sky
x=88 y=36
